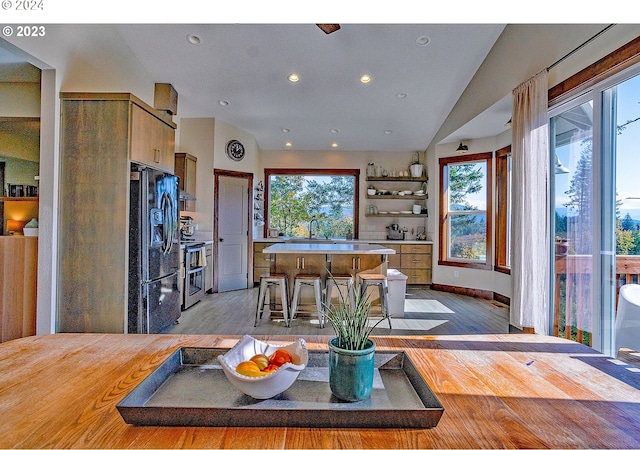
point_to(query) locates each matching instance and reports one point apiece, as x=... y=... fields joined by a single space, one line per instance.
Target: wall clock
x=235 y=150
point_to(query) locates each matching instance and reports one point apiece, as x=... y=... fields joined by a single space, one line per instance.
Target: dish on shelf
x=406 y=212
x=383 y=212
x=421 y=194
x=382 y=192
x=394 y=212
x=408 y=192
x=418 y=192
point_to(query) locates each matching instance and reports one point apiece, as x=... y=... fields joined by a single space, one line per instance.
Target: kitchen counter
x=323 y=249
x=353 y=241
x=498 y=391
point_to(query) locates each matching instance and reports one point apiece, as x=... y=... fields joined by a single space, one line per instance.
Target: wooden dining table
x=498 y=391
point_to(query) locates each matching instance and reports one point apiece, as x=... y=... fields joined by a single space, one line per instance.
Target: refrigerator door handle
x=169 y=223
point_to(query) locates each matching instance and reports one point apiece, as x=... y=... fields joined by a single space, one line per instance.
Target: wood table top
x=506 y=390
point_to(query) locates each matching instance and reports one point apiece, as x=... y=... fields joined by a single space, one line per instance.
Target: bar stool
x=268 y=280
x=308 y=279
x=338 y=280
x=380 y=280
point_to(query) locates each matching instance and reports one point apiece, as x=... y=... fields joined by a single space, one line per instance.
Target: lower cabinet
x=261 y=261
x=208 y=274
x=413 y=260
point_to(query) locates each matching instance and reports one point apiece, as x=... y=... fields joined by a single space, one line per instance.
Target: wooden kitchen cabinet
x=99 y=136
x=208 y=273
x=152 y=140
x=261 y=261
x=413 y=260
x=185 y=169
x=352 y=264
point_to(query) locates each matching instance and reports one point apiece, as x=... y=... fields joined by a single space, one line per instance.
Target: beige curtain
x=530 y=236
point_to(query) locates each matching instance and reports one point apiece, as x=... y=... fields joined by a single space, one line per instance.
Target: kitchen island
x=498 y=391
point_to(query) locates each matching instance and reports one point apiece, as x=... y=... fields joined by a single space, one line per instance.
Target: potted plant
x=351 y=351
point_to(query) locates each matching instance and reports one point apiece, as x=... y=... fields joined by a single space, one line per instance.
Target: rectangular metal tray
x=190 y=389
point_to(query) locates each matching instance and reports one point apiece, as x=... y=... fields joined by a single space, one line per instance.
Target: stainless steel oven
x=195 y=261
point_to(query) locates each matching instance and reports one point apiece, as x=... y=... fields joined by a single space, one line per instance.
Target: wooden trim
x=444 y=241
x=502 y=299
x=502 y=206
x=306 y=171
x=618 y=60
x=471 y=292
x=217 y=173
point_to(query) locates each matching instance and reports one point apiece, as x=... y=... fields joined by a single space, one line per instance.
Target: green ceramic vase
x=351 y=371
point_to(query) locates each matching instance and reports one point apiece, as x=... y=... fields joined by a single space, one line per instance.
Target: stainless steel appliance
x=395 y=233
x=195 y=262
x=187 y=228
x=154 y=251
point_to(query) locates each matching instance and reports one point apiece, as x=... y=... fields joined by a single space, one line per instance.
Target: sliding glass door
x=595 y=208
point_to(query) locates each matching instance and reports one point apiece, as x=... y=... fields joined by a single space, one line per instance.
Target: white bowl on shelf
x=273 y=383
x=406 y=212
x=30 y=231
x=371 y=191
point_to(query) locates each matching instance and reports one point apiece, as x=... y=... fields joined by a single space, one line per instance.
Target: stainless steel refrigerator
x=154 y=251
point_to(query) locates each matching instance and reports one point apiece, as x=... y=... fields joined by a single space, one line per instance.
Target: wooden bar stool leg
x=284 y=296
x=260 y=305
x=317 y=290
x=384 y=300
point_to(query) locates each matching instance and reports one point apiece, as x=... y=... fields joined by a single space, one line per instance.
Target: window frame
x=326 y=172
x=503 y=210
x=443 y=260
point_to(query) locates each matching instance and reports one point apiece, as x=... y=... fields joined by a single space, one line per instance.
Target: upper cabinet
x=185 y=170
x=152 y=140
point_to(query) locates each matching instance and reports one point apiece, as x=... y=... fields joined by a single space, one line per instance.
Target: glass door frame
x=603 y=281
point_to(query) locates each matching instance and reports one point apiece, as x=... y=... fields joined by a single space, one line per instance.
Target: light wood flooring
x=427 y=312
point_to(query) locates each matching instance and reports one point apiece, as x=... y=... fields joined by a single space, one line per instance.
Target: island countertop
x=323 y=249
x=498 y=391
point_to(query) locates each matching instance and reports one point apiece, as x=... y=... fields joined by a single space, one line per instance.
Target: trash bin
x=397 y=282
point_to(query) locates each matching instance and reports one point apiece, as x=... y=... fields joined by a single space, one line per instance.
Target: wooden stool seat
x=268 y=280
x=308 y=279
x=379 y=280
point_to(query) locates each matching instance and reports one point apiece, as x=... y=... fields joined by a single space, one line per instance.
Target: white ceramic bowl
x=269 y=385
x=371 y=191
x=30 y=231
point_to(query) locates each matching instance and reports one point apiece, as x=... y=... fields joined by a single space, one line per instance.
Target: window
x=465 y=211
x=293 y=197
x=503 y=210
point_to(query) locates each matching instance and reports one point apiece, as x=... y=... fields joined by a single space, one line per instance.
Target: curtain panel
x=530 y=264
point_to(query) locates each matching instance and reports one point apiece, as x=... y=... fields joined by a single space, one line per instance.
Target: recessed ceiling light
x=388 y=131
x=288 y=144
x=294 y=78
x=401 y=95
x=365 y=79
x=423 y=40
x=334 y=145
x=335 y=130
x=286 y=130
x=193 y=39
x=223 y=102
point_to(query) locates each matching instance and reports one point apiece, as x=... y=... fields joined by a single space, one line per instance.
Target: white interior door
x=233 y=233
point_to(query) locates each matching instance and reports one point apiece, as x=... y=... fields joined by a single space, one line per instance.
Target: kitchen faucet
x=313 y=219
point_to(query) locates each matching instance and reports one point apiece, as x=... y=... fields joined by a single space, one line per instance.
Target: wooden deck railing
x=573 y=293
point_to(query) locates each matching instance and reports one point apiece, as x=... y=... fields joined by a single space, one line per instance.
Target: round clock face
x=235 y=150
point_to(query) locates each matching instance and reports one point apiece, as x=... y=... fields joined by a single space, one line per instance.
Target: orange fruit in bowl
x=270 y=368
x=249 y=368
x=261 y=360
x=279 y=357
